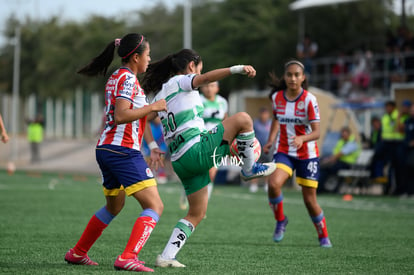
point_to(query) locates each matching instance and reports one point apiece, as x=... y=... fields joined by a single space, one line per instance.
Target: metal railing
x=363 y=74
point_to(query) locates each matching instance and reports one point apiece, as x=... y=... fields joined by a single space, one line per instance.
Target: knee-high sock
x=93 y=230
x=140 y=233
x=181 y=232
x=246 y=151
x=276 y=204
x=320 y=225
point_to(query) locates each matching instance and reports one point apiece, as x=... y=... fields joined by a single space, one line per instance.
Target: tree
x=261 y=33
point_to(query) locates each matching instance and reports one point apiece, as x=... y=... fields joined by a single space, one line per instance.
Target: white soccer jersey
x=214 y=111
x=182 y=122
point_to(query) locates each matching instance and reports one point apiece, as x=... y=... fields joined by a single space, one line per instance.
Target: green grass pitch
x=43 y=215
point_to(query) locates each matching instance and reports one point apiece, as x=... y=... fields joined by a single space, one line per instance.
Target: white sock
x=210 y=189
x=181 y=232
x=246 y=151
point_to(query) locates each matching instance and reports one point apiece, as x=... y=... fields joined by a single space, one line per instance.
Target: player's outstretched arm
x=219 y=74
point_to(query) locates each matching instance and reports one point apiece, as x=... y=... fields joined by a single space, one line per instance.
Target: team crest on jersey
x=300 y=109
x=149 y=173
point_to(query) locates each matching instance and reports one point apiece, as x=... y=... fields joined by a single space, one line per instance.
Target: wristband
x=237 y=69
x=153 y=145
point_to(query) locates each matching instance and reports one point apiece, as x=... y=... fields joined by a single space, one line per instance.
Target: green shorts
x=192 y=167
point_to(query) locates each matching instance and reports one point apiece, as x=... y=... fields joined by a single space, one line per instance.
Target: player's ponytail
x=161 y=71
x=127 y=46
x=157 y=73
x=276 y=84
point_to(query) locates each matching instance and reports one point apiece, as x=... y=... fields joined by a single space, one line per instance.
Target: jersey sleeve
x=186 y=82
x=126 y=86
x=313 y=110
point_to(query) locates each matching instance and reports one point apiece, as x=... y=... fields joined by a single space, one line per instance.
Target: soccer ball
x=234 y=152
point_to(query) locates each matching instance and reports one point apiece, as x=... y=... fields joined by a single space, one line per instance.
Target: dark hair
x=278 y=84
x=161 y=71
x=390 y=103
x=129 y=44
x=346 y=129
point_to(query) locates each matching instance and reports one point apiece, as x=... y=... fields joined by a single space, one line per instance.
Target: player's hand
x=243 y=69
x=297 y=141
x=267 y=147
x=160 y=105
x=249 y=71
x=4 y=138
x=156 y=159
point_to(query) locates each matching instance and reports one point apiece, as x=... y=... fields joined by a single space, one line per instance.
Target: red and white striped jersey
x=123 y=84
x=294 y=119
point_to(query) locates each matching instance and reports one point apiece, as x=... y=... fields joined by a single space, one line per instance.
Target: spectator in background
x=35 y=137
x=403 y=115
x=344 y=155
x=377 y=165
x=3 y=132
x=401 y=37
x=261 y=126
x=306 y=51
x=395 y=65
x=339 y=72
x=389 y=150
x=360 y=70
x=390 y=41
x=408 y=185
x=375 y=136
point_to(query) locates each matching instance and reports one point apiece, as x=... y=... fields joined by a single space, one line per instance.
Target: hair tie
x=140 y=42
x=117 y=42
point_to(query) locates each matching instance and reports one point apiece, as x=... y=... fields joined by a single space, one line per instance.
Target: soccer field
x=43 y=215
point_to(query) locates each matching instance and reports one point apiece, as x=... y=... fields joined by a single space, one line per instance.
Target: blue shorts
x=307 y=170
x=123 y=168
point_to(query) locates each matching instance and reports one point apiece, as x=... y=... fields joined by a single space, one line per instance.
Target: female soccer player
x=296 y=123
x=123 y=168
x=215 y=111
x=194 y=150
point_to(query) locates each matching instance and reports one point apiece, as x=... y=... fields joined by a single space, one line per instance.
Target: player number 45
x=313 y=167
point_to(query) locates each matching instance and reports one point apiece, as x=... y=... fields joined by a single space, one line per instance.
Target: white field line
x=358 y=204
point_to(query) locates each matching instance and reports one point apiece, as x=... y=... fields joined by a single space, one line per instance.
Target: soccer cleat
x=280 y=230
x=259 y=170
x=325 y=242
x=140 y=262
x=72 y=258
x=131 y=265
x=160 y=262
